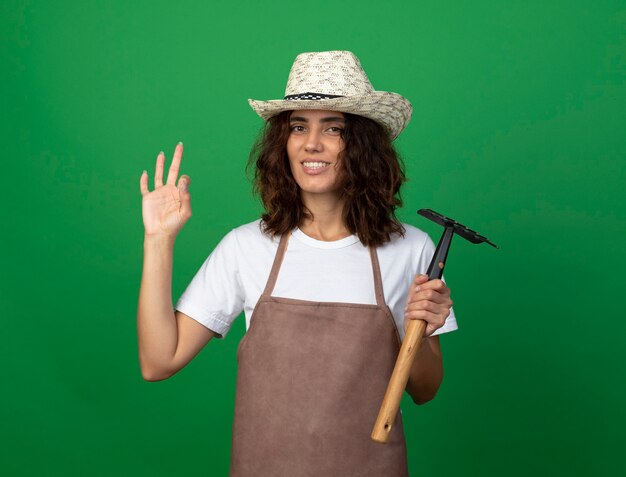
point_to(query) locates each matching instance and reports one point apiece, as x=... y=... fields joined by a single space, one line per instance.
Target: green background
x=518 y=133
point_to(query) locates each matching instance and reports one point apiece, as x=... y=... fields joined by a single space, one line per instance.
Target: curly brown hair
x=371 y=175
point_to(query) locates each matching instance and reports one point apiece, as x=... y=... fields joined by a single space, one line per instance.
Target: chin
x=318 y=191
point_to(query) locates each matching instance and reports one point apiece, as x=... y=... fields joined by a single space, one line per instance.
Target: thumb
x=183 y=185
x=185 y=196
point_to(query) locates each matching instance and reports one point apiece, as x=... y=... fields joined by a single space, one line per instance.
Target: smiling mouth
x=315 y=164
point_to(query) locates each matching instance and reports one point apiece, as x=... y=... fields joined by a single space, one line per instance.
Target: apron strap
x=280 y=254
x=378 y=281
x=278 y=260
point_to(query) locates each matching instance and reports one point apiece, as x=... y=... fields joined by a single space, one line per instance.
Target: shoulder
x=251 y=233
x=250 y=242
x=413 y=239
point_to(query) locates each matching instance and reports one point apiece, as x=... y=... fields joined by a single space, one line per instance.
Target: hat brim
x=391 y=110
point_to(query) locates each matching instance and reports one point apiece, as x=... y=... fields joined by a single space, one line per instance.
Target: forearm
x=427 y=371
x=156 y=322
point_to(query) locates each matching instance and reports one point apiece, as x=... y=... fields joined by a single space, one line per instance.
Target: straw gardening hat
x=335 y=80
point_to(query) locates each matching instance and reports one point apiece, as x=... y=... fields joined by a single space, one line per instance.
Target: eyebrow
x=328 y=119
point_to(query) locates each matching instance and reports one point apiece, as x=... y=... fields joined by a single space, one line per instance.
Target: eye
x=335 y=129
x=297 y=128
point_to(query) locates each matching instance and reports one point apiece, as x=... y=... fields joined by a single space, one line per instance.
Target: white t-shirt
x=234 y=275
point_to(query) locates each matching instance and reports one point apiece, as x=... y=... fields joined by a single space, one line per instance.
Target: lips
x=315 y=167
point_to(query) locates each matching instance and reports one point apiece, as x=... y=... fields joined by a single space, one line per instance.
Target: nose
x=313 y=141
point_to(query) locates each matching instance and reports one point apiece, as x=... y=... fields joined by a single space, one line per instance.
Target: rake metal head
x=459 y=229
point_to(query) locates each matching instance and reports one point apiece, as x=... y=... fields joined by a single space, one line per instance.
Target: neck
x=327 y=223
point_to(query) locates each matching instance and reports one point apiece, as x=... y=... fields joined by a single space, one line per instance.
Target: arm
x=168 y=340
x=427 y=371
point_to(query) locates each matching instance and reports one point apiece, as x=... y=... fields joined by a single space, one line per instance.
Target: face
x=313 y=148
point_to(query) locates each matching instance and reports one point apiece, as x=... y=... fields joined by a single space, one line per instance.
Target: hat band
x=298 y=97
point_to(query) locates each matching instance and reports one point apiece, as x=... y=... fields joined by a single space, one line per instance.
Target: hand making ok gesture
x=166 y=209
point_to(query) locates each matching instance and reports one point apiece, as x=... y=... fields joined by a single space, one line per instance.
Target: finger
x=158 y=173
x=439 y=322
x=433 y=320
x=436 y=284
x=423 y=305
x=175 y=166
x=430 y=329
x=440 y=309
x=435 y=314
x=143 y=183
x=420 y=278
x=428 y=295
x=422 y=282
x=427 y=316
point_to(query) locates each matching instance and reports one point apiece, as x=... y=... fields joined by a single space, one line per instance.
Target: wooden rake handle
x=398 y=381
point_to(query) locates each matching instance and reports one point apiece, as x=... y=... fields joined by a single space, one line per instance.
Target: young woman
x=328 y=279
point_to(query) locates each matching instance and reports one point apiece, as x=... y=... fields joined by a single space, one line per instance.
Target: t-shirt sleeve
x=215 y=297
x=428 y=250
